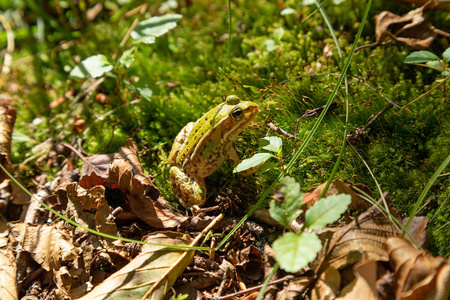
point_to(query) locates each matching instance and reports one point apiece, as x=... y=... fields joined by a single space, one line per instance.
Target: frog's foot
x=189 y=189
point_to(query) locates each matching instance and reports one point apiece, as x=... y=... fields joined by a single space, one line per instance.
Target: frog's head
x=237 y=115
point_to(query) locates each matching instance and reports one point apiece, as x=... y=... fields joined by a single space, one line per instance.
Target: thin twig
x=314 y=112
x=254 y=288
x=425 y=94
x=280 y=131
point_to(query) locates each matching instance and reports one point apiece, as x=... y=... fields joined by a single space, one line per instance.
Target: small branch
x=280 y=131
x=10 y=44
x=314 y=112
x=427 y=93
x=254 y=288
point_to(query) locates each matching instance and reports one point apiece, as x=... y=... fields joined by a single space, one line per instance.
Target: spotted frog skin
x=201 y=147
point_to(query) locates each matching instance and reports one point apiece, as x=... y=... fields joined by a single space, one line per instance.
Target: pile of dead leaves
x=45 y=257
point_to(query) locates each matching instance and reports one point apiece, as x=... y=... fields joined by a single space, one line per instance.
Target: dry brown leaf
x=327 y=286
x=47 y=245
x=412 y=28
x=8 y=269
x=338 y=187
x=127 y=174
x=151 y=274
x=7 y=120
x=364 y=237
x=419 y=275
x=82 y=202
x=364 y=284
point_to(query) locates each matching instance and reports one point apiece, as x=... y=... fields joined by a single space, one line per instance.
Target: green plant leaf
x=294 y=252
x=326 y=211
x=142 y=86
x=286 y=211
x=435 y=64
x=271 y=143
x=278 y=34
x=254 y=161
x=146 y=31
x=288 y=11
x=418 y=57
x=270 y=45
x=446 y=73
x=446 y=55
x=94 y=66
x=127 y=57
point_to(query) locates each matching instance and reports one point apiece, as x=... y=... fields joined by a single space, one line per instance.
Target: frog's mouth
x=249 y=114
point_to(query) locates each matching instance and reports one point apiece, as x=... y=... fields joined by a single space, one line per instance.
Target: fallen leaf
x=364 y=283
x=338 y=187
x=47 y=245
x=328 y=285
x=413 y=28
x=126 y=173
x=7 y=120
x=151 y=274
x=8 y=269
x=419 y=275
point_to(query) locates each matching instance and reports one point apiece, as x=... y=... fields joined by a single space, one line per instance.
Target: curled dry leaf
x=47 y=245
x=338 y=187
x=126 y=173
x=364 y=282
x=151 y=274
x=7 y=120
x=412 y=28
x=8 y=268
x=419 y=275
x=364 y=237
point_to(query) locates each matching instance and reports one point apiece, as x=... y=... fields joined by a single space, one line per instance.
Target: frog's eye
x=236 y=113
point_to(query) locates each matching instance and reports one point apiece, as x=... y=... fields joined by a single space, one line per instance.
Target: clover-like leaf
x=94 y=66
x=288 y=209
x=271 y=143
x=326 y=211
x=146 y=31
x=270 y=45
x=294 y=252
x=127 y=57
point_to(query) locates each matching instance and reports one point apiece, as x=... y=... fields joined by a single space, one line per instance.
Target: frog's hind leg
x=189 y=189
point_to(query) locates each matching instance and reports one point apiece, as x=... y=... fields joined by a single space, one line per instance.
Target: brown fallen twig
x=356 y=136
x=314 y=112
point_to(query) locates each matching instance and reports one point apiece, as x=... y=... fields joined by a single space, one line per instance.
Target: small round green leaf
x=94 y=66
x=418 y=57
x=147 y=30
x=271 y=143
x=270 y=45
x=435 y=64
x=294 y=252
x=326 y=211
x=446 y=55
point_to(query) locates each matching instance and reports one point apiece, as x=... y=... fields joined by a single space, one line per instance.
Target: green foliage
x=287 y=210
x=326 y=211
x=148 y=30
x=94 y=66
x=431 y=60
x=295 y=251
x=271 y=143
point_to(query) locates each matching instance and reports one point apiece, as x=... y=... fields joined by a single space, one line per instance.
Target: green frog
x=201 y=147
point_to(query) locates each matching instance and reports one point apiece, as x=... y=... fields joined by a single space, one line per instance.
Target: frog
x=202 y=146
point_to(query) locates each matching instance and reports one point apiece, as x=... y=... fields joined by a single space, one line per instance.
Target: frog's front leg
x=235 y=160
x=189 y=189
